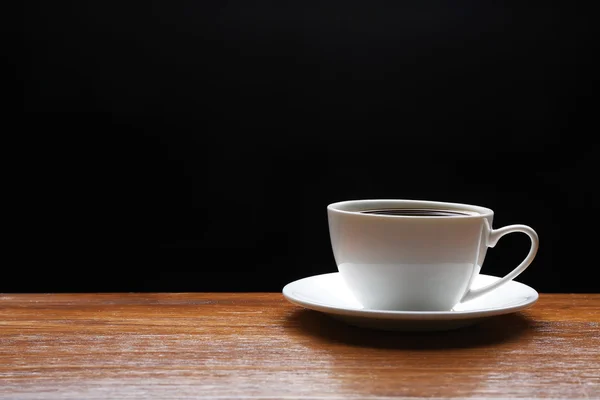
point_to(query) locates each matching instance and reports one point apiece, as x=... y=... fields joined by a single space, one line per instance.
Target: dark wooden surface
x=190 y=345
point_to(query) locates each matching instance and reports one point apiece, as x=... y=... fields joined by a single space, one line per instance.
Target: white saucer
x=328 y=293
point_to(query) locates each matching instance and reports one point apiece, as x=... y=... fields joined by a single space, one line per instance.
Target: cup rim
x=481 y=211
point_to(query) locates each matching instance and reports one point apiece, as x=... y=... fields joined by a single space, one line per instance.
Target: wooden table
x=190 y=345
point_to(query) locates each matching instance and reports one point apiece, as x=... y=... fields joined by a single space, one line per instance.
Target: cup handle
x=494 y=236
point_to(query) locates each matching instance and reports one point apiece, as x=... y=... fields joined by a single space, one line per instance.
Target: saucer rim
x=410 y=315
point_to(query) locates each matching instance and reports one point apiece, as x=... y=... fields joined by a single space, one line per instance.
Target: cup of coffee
x=415 y=255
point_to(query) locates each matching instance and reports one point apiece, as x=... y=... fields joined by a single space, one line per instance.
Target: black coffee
x=424 y=212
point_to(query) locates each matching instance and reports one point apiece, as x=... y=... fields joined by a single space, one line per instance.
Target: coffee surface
x=422 y=212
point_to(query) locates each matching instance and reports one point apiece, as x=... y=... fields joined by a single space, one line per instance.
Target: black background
x=195 y=145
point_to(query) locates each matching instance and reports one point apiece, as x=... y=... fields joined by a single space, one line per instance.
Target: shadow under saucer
x=485 y=332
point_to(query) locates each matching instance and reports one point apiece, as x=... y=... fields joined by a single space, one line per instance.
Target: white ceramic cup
x=416 y=262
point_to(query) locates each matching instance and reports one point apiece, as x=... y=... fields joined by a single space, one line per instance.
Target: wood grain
x=190 y=345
